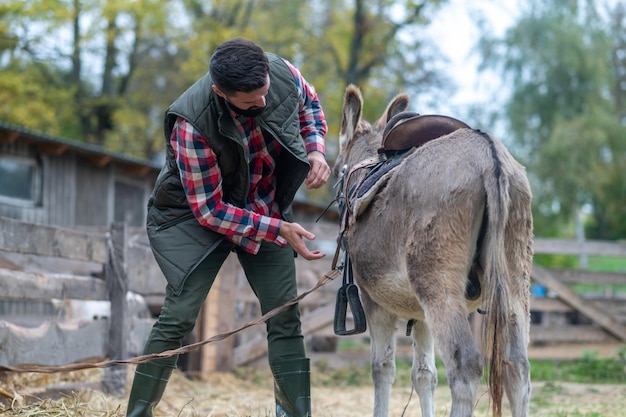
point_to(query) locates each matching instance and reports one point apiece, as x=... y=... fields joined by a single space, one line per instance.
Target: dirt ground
x=227 y=395
x=224 y=395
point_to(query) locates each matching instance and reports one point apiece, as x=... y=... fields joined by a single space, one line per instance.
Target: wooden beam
x=52 y=343
x=218 y=316
x=312 y=322
x=55 y=149
x=9 y=136
x=569 y=334
x=53 y=241
x=608 y=323
x=114 y=381
x=574 y=276
x=575 y=247
x=549 y=305
x=99 y=161
x=138 y=170
x=19 y=285
x=250 y=351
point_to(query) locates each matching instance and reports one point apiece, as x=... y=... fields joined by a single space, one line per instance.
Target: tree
x=563 y=110
x=79 y=58
x=104 y=71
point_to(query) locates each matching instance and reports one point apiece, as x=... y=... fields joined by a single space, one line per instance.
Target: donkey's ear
x=399 y=104
x=351 y=114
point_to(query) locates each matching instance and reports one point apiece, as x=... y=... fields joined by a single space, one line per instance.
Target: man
x=240 y=142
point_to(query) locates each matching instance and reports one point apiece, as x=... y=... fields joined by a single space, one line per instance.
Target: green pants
x=272 y=275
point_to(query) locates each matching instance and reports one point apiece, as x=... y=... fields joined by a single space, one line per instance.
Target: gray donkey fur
x=458 y=202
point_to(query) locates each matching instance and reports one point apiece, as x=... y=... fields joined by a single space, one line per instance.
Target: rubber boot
x=148 y=387
x=292 y=387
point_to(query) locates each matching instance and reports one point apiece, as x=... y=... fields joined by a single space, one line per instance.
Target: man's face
x=249 y=104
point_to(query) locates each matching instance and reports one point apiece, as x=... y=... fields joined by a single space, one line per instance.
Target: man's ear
x=218 y=91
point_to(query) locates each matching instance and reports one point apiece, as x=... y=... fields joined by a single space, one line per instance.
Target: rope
x=49 y=369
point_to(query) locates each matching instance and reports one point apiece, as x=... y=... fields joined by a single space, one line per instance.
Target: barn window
x=19 y=180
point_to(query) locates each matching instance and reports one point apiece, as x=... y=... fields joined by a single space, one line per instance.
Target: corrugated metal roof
x=81 y=147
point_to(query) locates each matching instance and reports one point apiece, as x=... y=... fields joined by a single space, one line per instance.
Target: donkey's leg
x=463 y=361
x=382 y=326
x=517 y=371
x=423 y=371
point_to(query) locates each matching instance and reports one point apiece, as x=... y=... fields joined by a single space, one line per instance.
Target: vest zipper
x=174 y=222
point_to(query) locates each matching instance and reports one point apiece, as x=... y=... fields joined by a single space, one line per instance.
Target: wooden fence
x=559 y=316
x=566 y=315
x=54 y=342
x=599 y=316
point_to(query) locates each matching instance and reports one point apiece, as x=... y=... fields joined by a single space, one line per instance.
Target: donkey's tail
x=495 y=335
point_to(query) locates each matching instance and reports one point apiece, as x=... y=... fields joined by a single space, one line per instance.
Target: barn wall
x=69 y=190
x=59 y=190
x=92 y=189
x=130 y=195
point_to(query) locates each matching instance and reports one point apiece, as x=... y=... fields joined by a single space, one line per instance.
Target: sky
x=455 y=32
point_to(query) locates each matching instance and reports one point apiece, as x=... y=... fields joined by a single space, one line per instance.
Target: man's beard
x=249 y=112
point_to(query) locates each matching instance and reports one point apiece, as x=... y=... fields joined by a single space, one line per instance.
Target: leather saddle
x=407 y=130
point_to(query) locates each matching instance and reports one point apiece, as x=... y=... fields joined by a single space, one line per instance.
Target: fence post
x=218 y=315
x=114 y=380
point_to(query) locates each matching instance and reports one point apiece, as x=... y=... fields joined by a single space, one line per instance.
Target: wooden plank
x=608 y=323
x=218 y=316
x=253 y=349
x=209 y=323
x=549 y=305
x=569 y=334
x=573 y=276
x=312 y=322
x=575 y=247
x=45 y=240
x=555 y=305
x=320 y=318
x=114 y=381
x=52 y=343
x=19 y=285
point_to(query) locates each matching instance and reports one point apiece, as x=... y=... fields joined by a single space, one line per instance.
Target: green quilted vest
x=178 y=241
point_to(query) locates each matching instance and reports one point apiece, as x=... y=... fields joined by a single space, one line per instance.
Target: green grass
x=588 y=369
x=606 y=264
x=594 y=263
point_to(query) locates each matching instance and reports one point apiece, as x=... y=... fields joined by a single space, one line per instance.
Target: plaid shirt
x=202 y=179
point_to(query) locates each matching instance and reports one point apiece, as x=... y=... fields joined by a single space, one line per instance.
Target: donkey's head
x=359 y=139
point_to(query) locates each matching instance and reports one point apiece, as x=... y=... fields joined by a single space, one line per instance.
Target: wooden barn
x=49 y=180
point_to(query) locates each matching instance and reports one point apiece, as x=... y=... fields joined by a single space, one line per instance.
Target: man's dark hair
x=239 y=65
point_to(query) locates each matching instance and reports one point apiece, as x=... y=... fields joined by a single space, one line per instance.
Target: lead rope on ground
x=76 y=366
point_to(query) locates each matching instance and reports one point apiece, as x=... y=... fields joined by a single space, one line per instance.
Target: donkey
x=458 y=204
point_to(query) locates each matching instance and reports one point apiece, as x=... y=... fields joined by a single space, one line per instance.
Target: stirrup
x=348 y=293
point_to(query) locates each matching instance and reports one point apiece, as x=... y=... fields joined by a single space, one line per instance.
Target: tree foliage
x=103 y=71
x=561 y=61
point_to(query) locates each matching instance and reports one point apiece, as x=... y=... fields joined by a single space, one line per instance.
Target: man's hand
x=295 y=234
x=320 y=171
